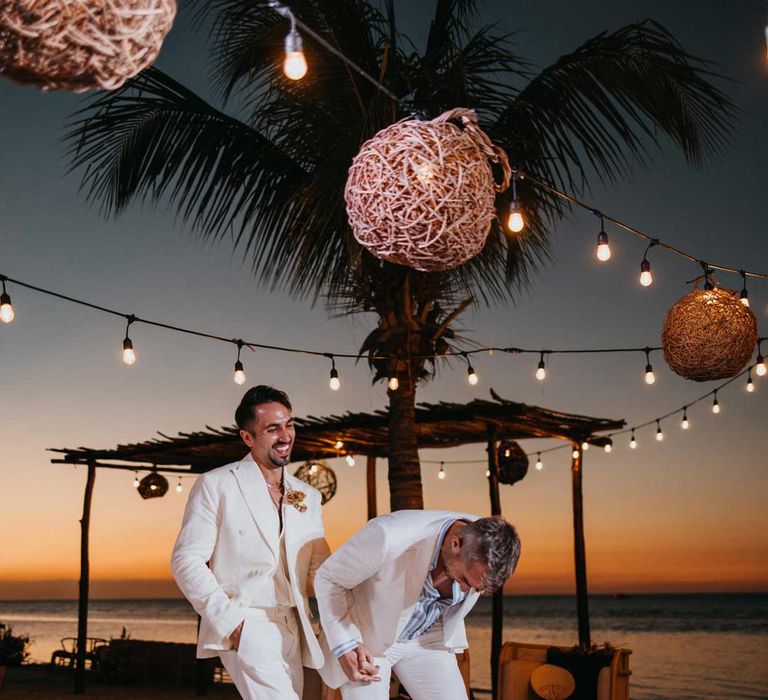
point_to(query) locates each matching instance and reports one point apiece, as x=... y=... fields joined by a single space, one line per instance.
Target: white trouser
x=424 y=666
x=267 y=664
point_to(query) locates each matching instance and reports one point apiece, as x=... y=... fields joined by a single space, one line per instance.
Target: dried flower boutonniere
x=296 y=499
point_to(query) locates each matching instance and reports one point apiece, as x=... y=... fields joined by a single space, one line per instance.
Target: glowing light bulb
x=646 y=278
x=350 y=460
x=239 y=375
x=716 y=406
x=633 y=442
x=393 y=383
x=744 y=297
x=760 y=369
x=295 y=63
x=539 y=464
x=424 y=172
x=179 y=487
x=750 y=384
x=575 y=454
x=136 y=482
x=441 y=474
x=608 y=447
x=659 y=434
x=471 y=376
x=153 y=487
x=603 y=249
x=334 y=382
x=129 y=356
x=487 y=473
x=584 y=446
x=313 y=469
x=685 y=424
x=339 y=444
x=507 y=453
x=7 y=314
x=516 y=221
x=541 y=371
x=650 y=377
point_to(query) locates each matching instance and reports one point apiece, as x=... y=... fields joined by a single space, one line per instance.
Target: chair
x=519 y=660
x=67 y=655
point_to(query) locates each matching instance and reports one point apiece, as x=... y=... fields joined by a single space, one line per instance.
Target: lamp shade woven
x=319 y=475
x=422 y=193
x=153 y=485
x=709 y=334
x=513 y=462
x=78 y=45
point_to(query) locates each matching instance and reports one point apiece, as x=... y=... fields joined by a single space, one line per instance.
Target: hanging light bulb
x=685 y=424
x=136 y=481
x=541 y=370
x=650 y=377
x=334 y=382
x=633 y=441
x=313 y=469
x=515 y=221
x=350 y=460
x=608 y=447
x=393 y=384
x=760 y=369
x=153 y=487
x=471 y=376
x=539 y=463
x=129 y=356
x=575 y=454
x=646 y=278
x=603 y=249
x=239 y=375
x=179 y=487
x=441 y=473
x=487 y=473
x=715 y=405
x=339 y=444
x=7 y=314
x=750 y=383
x=659 y=434
x=584 y=446
x=744 y=294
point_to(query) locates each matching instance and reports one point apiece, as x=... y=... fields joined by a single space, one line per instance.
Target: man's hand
x=357 y=665
x=234 y=638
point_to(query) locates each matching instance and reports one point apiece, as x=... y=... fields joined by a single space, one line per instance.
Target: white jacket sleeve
x=356 y=560
x=189 y=562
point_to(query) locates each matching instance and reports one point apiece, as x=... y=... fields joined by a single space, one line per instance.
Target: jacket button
x=241 y=532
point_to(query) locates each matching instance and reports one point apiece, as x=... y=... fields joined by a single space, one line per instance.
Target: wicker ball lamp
x=513 y=462
x=319 y=475
x=709 y=334
x=153 y=485
x=422 y=193
x=79 y=45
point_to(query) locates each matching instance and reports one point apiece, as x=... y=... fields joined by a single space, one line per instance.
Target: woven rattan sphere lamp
x=79 y=45
x=422 y=193
x=319 y=475
x=708 y=335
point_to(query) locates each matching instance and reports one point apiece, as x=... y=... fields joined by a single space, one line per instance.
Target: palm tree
x=268 y=174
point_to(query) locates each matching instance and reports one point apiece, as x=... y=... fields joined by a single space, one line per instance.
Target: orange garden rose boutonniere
x=296 y=499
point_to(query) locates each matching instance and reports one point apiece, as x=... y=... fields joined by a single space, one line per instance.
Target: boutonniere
x=296 y=499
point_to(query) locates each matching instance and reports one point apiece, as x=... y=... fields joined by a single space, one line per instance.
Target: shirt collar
x=440 y=539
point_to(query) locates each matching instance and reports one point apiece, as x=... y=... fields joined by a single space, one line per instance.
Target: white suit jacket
x=228 y=550
x=370 y=586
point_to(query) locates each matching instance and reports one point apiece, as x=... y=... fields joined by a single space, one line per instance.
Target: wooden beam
x=370 y=485
x=579 y=549
x=497 y=618
x=82 y=608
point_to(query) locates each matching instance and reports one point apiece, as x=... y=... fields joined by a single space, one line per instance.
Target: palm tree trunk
x=404 y=468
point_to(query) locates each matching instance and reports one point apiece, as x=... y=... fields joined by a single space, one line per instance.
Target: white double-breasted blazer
x=369 y=587
x=228 y=549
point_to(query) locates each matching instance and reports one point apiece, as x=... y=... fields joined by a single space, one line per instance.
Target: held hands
x=357 y=665
x=234 y=638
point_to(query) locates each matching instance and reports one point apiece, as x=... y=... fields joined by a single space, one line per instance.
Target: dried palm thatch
x=153 y=485
x=422 y=193
x=709 y=334
x=78 y=45
x=319 y=475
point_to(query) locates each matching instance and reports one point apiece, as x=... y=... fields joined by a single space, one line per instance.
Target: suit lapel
x=293 y=520
x=254 y=490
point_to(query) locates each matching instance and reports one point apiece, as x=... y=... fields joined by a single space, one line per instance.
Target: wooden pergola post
x=579 y=549
x=82 y=608
x=370 y=490
x=497 y=620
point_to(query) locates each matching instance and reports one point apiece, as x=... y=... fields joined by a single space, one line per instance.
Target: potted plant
x=14 y=649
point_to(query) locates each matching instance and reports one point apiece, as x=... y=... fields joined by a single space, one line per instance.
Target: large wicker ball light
x=709 y=334
x=79 y=45
x=513 y=462
x=422 y=193
x=153 y=485
x=319 y=475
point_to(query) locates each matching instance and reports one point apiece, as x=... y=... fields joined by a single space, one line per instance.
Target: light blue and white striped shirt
x=430 y=606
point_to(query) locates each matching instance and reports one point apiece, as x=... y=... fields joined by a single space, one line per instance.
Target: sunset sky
x=687 y=514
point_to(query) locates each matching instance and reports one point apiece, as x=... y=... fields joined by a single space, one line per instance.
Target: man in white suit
x=395 y=595
x=250 y=543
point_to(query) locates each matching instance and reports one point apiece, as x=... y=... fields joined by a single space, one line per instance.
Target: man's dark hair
x=255 y=396
x=492 y=541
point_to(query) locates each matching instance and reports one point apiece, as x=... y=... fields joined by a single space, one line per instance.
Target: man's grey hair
x=494 y=542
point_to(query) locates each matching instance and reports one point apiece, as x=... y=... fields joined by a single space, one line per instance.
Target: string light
x=7 y=314
x=760 y=369
x=516 y=221
x=136 y=481
x=179 y=487
x=129 y=356
x=313 y=469
x=633 y=441
x=393 y=384
x=541 y=370
x=750 y=383
x=685 y=424
x=539 y=463
x=350 y=460
x=715 y=404
x=608 y=447
x=239 y=375
x=471 y=376
x=339 y=444
x=603 y=249
x=487 y=473
x=584 y=446
x=650 y=377
x=575 y=453
x=646 y=278
x=295 y=63
x=441 y=473
x=334 y=381
x=744 y=294
x=659 y=434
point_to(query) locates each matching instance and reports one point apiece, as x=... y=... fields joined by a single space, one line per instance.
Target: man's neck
x=272 y=474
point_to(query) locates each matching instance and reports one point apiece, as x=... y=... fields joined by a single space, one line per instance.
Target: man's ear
x=246 y=438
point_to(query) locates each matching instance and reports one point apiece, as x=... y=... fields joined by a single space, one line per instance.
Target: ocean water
x=693 y=647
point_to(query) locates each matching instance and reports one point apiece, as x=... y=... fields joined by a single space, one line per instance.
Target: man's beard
x=279 y=461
